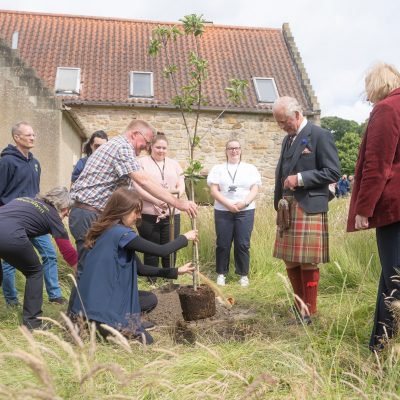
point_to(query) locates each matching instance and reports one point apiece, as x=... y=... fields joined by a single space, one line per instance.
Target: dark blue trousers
x=388 y=240
x=233 y=227
x=80 y=221
x=20 y=253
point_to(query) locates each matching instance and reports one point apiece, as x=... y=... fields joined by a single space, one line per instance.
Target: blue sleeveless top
x=108 y=285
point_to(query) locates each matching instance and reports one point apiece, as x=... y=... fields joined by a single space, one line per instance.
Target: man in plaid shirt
x=113 y=165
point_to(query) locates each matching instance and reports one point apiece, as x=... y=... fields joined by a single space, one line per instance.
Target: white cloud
x=358 y=111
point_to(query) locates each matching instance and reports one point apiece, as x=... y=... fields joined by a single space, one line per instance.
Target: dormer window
x=141 y=84
x=266 y=90
x=68 y=81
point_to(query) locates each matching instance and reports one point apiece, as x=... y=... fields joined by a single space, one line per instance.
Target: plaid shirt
x=106 y=169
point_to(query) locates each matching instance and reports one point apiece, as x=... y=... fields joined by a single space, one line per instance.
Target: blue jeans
x=49 y=260
x=233 y=227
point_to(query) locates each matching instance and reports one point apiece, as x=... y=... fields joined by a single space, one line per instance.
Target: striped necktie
x=290 y=140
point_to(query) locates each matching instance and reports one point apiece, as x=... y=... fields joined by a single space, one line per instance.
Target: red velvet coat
x=376 y=191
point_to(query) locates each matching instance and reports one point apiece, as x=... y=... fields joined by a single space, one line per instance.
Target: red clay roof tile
x=107 y=49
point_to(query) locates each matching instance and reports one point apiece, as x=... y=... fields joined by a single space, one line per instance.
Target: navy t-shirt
x=33 y=216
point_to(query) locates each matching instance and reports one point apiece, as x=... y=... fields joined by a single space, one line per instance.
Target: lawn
x=263 y=357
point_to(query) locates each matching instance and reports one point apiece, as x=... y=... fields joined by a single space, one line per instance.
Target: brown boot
x=310 y=278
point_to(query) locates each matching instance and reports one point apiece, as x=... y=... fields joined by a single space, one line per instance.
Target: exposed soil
x=231 y=324
x=197 y=304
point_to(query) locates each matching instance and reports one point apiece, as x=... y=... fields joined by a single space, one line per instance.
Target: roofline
x=71 y=104
x=135 y=20
x=300 y=69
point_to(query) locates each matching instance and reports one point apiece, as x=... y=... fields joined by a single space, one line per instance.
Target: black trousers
x=233 y=227
x=20 y=253
x=158 y=233
x=388 y=240
x=148 y=301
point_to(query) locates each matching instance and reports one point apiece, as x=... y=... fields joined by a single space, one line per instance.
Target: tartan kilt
x=307 y=240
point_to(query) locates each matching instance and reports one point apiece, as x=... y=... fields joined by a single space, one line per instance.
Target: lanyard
x=234 y=175
x=161 y=170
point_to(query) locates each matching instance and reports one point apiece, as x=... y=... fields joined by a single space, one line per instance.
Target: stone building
x=95 y=73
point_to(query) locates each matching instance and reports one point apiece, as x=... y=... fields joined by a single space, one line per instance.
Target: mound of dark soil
x=226 y=323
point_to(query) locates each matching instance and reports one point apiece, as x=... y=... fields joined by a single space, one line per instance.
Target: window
x=141 y=84
x=14 y=41
x=266 y=89
x=68 y=80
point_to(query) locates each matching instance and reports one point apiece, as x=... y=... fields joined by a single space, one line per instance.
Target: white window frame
x=131 y=79
x=260 y=100
x=14 y=41
x=73 y=91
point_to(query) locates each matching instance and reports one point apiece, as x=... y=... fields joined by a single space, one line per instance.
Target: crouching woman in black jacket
x=25 y=218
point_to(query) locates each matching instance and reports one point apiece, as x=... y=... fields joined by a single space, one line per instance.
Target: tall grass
x=263 y=357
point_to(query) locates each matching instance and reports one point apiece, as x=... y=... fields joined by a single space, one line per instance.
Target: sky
x=338 y=40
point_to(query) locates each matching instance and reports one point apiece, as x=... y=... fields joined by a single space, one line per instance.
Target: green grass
x=264 y=359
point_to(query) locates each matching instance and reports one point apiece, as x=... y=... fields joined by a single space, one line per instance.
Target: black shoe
x=300 y=319
x=44 y=326
x=149 y=326
x=145 y=338
x=59 y=300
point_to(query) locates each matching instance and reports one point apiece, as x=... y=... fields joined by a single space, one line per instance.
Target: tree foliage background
x=347 y=135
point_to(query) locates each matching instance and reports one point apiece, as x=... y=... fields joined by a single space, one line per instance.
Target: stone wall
x=24 y=98
x=259 y=135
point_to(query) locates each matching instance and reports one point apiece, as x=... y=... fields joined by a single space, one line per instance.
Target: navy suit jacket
x=319 y=166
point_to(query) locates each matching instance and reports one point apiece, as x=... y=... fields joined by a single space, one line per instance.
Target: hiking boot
x=244 y=281
x=221 y=280
x=59 y=300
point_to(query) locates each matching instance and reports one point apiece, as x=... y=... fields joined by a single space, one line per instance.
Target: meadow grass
x=269 y=359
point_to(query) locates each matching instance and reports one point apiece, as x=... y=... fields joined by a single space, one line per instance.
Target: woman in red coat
x=375 y=201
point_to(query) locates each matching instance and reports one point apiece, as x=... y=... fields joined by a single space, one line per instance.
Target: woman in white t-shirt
x=234 y=186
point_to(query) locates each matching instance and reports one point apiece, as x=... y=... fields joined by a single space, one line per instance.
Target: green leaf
x=171 y=69
x=193 y=24
x=154 y=47
x=236 y=89
x=196 y=141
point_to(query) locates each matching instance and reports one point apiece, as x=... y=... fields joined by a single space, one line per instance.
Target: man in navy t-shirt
x=20 y=177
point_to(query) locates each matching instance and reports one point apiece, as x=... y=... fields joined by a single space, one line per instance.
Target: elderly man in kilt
x=308 y=163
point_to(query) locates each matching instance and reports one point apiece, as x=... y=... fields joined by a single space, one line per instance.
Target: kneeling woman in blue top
x=108 y=287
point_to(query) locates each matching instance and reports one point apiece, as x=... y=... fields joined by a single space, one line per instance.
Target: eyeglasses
x=233 y=148
x=33 y=135
x=148 y=142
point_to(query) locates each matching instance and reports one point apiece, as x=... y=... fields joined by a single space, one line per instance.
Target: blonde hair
x=380 y=81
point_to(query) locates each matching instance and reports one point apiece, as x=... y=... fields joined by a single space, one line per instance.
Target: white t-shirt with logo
x=234 y=181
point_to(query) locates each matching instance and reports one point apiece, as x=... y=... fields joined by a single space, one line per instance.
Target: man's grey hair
x=289 y=104
x=58 y=197
x=139 y=124
x=16 y=129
